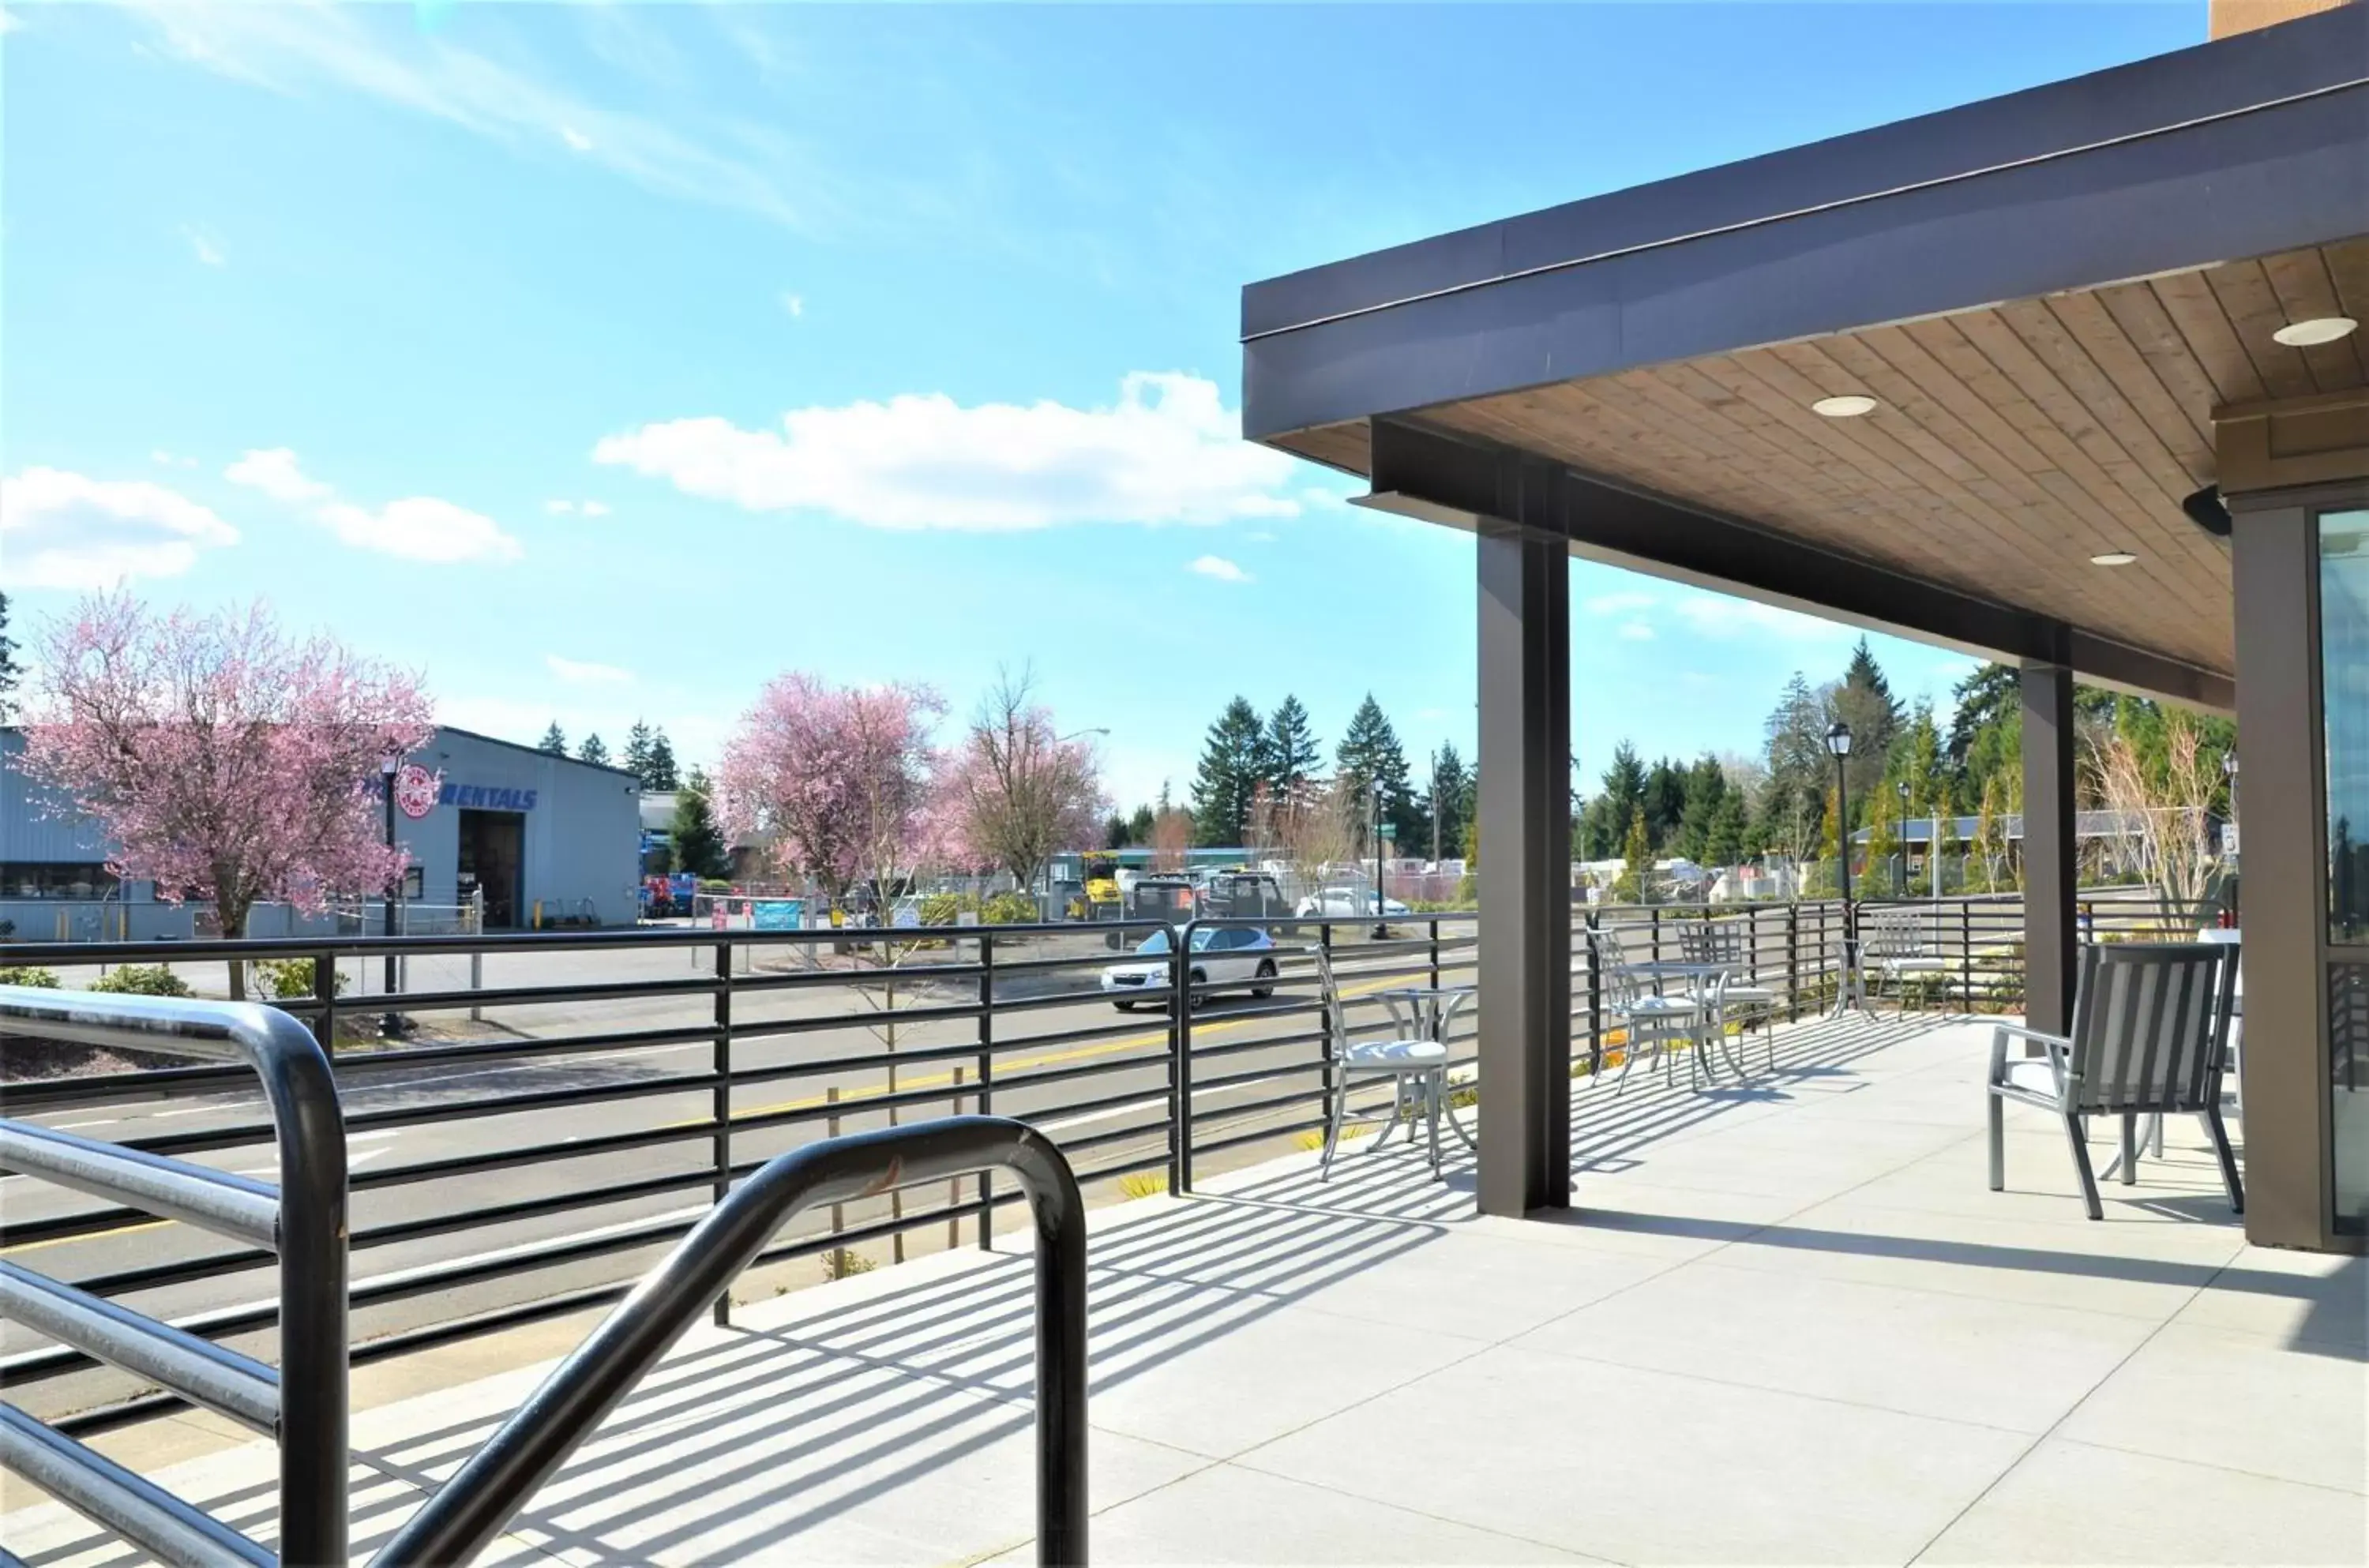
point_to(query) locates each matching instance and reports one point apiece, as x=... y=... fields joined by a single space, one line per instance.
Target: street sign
x=1390 y=832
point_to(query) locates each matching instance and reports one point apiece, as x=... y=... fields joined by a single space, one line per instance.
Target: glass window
x=2344 y=704
x=55 y=880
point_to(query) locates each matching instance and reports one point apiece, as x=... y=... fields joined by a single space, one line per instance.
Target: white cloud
x=1220 y=568
x=1617 y=603
x=581 y=509
x=379 y=52
x=559 y=508
x=1716 y=615
x=578 y=673
x=204 y=246
x=1168 y=451
x=1636 y=631
x=594 y=508
x=8 y=23
x=421 y=528
x=60 y=530
x=416 y=527
x=169 y=460
x=274 y=471
x=1259 y=536
x=794 y=303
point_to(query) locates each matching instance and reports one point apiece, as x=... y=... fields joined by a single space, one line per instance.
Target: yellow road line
x=928 y=1080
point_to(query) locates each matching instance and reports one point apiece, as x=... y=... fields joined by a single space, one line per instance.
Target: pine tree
x=1450 y=780
x=594 y=749
x=1290 y=755
x=1604 y=820
x=1723 y=845
x=1864 y=700
x=636 y=760
x=1883 y=847
x=554 y=740
x=1706 y=793
x=1945 y=847
x=1139 y=825
x=1228 y=776
x=661 y=772
x=1115 y=832
x=699 y=847
x=1370 y=762
x=11 y=672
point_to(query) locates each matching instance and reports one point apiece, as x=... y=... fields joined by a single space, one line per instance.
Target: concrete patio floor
x=1787 y=1323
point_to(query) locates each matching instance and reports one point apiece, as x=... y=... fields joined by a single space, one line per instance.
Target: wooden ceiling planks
x=2012 y=442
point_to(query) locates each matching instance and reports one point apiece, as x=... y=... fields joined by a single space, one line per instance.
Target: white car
x=1355 y=902
x=1222 y=956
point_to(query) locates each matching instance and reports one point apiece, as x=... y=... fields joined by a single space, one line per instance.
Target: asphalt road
x=843 y=1054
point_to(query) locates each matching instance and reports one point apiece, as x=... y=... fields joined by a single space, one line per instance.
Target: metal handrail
x=502 y=1476
x=303 y=1405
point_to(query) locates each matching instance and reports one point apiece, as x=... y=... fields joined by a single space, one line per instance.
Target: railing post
x=1595 y=1001
x=1793 y=963
x=325 y=995
x=1434 y=953
x=1966 y=951
x=1180 y=1059
x=986 y=1076
x=720 y=1106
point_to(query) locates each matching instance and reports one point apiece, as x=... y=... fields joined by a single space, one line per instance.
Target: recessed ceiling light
x=1849 y=405
x=2318 y=330
x=2113 y=558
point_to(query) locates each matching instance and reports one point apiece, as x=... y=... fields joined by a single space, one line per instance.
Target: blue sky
x=602 y=360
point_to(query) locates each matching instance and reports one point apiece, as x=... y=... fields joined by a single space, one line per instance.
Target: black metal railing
x=542 y=1134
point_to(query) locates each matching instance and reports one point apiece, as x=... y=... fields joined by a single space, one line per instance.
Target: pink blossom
x=222 y=760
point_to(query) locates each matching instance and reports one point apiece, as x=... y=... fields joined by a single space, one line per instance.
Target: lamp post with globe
x=1839 y=743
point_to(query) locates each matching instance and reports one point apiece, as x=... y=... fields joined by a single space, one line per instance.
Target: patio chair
x=1417 y=1064
x=1647 y=1016
x=1728 y=941
x=2149 y=1024
x=1893 y=945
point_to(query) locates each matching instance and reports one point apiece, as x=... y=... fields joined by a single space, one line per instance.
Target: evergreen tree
x=1371 y=761
x=1115 y=832
x=1826 y=877
x=1706 y=795
x=11 y=672
x=1864 y=700
x=1139 y=826
x=594 y=749
x=1724 y=843
x=1946 y=846
x=699 y=846
x=1885 y=862
x=1604 y=821
x=554 y=740
x=1665 y=801
x=1229 y=776
x=1450 y=783
x=662 y=773
x=1919 y=759
x=637 y=753
x=1290 y=755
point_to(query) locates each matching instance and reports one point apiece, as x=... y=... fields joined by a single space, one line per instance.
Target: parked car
x=1357 y=902
x=1221 y=956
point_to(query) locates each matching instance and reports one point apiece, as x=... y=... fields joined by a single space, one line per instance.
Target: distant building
x=541 y=837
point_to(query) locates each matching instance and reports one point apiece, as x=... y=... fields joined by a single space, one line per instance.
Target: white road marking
x=95 y=1121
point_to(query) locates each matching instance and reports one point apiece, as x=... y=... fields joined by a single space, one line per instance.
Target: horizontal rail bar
x=231 y=1206
x=211 y=1375
x=108 y=1494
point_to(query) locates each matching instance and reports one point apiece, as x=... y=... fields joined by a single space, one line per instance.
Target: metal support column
x=2050 y=872
x=1524 y=952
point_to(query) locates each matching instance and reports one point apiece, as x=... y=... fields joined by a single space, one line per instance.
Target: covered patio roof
x=2053 y=297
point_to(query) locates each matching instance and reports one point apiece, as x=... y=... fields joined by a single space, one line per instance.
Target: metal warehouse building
x=542 y=838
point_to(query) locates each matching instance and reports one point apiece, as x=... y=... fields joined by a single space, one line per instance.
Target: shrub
x=1009 y=908
x=942 y=909
x=26 y=975
x=841 y=1262
x=290 y=979
x=142 y=979
x=1143 y=1184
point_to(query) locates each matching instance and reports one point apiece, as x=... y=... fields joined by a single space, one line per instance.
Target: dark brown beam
x=2051 y=871
x=1525 y=962
x=1423 y=473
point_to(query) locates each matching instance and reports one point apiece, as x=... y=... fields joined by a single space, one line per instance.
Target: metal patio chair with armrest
x=2150 y=1024
x=1893 y=945
x=1416 y=1063
x=1633 y=1000
x=1728 y=943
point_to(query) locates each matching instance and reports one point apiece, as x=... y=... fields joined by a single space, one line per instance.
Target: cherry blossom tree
x=1017 y=791
x=838 y=778
x=222 y=759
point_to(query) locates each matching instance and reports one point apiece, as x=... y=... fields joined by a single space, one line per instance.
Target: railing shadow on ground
x=802 y=1423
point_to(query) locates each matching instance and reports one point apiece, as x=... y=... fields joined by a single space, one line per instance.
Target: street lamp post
x=1839 y=742
x=391 y=763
